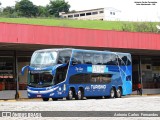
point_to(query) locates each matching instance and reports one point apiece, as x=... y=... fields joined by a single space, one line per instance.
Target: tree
x=26 y=8
x=56 y=6
x=8 y=10
x=0 y=6
x=42 y=11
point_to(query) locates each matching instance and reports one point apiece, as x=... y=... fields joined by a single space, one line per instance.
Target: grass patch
x=90 y=24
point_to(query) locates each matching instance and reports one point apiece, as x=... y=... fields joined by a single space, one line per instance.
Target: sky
x=128 y=8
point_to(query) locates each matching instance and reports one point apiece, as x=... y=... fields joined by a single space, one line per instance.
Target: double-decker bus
x=77 y=73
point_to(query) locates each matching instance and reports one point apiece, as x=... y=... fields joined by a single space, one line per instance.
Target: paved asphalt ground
x=128 y=103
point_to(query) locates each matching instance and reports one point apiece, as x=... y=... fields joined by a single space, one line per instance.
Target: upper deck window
x=88 y=58
x=64 y=57
x=43 y=58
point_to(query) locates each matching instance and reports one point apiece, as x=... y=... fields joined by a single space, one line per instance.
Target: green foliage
x=9 y=12
x=56 y=6
x=42 y=11
x=0 y=9
x=140 y=27
x=26 y=8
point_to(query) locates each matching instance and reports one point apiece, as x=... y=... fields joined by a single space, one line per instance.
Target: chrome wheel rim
x=118 y=92
x=70 y=95
x=112 y=93
x=79 y=95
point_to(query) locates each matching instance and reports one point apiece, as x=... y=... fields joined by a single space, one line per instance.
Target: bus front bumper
x=50 y=93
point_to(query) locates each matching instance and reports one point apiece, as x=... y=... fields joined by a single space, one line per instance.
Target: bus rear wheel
x=70 y=95
x=118 y=93
x=45 y=99
x=79 y=95
x=112 y=93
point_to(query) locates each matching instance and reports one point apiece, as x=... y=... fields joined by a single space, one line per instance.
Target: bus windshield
x=41 y=79
x=43 y=59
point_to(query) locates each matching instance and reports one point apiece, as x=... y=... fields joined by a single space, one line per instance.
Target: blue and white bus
x=77 y=73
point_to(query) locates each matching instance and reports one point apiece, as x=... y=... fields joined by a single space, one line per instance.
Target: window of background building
x=150 y=70
x=94 y=13
x=82 y=14
x=76 y=15
x=70 y=16
x=6 y=73
x=89 y=13
x=101 y=11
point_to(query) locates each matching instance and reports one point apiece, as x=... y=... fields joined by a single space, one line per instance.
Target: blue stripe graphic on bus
x=89 y=69
x=106 y=69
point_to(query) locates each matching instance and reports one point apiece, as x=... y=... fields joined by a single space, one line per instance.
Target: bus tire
x=79 y=95
x=45 y=99
x=112 y=93
x=118 y=93
x=70 y=95
x=54 y=99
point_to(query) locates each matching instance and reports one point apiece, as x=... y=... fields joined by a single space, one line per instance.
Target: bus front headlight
x=64 y=87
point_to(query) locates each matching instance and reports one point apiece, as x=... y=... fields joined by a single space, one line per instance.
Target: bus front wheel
x=70 y=95
x=45 y=99
x=112 y=93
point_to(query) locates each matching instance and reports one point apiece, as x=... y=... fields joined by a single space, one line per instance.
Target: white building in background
x=112 y=14
x=109 y=13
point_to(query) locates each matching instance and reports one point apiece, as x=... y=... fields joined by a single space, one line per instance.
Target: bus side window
x=98 y=59
x=128 y=60
x=112 y=60
x=124 y=59
x=121 y=60
x=77 y=58
x=88 y=58
x=106 y=59
x=109 y=59
x=64 y=57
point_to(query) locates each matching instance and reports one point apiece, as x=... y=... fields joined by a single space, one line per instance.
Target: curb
x=21 y=99
x=146 y=95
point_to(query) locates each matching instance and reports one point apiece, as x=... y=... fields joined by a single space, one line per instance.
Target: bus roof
x=79 y=50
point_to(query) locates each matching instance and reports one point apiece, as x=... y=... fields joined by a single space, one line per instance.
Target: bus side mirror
x=23 y=69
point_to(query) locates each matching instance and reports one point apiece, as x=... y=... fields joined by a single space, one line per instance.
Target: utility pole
x=16 y=74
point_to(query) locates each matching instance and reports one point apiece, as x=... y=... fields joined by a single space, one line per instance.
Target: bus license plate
x=39 y=95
